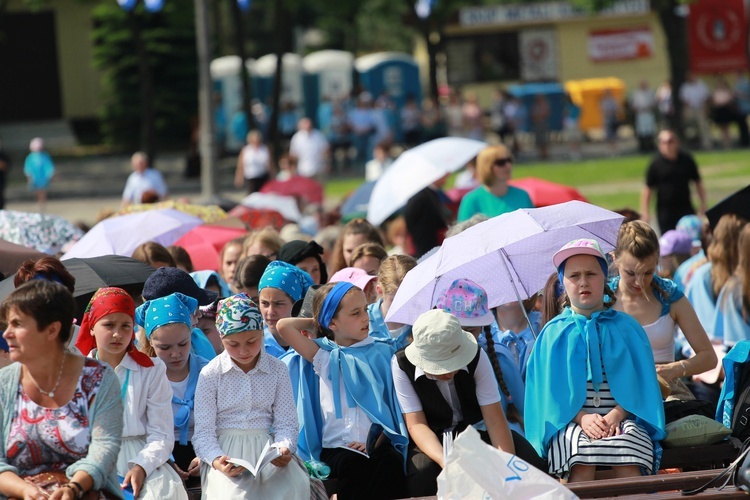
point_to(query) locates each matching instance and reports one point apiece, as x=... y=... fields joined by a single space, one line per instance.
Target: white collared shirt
x=354 y=424
x=484 y=378
x=228 y=398
x=147 y=410
x=138 y=183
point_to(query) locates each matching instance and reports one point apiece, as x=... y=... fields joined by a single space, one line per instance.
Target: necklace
x=51 y=393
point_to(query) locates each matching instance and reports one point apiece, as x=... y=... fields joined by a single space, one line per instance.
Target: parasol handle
x=518 y=296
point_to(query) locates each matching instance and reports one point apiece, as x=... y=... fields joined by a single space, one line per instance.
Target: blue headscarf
x=332 y=301
x=201 y=279
x=174 y=308
x=288 y=278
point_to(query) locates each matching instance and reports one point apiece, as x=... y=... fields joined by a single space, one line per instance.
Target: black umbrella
x=93 y=273
x=737 y=203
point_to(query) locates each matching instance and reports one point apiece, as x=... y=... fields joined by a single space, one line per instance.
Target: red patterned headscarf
x=104 y=302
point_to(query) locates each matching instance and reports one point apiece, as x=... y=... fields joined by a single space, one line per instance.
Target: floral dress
x=51 y=439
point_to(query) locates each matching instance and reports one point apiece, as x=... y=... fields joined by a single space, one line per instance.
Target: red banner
x=620 y=44
x=718 y=36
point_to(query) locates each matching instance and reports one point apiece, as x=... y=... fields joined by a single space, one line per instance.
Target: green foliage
x=169 y=39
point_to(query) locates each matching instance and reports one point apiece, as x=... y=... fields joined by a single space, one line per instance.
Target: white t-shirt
x=310 y=148
x=354 y=425
x=484 y=378
x=255 y=161
x=694 y=94
x=178 y=391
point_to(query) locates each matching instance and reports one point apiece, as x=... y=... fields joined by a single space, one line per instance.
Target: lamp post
x=206 y=141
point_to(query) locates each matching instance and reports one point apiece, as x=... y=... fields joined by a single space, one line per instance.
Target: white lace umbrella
x=416 y=169
x=510 y=255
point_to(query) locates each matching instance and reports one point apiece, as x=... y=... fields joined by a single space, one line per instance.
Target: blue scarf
x=306 y=390
x=665 y=290
x=368 y=383
x=570 y=351
x=379 y=330
x=182 y=417
x=730 y=324
x=701 y=296
x=201 y=279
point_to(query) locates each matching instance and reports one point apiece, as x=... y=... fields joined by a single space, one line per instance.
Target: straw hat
x=440 y=346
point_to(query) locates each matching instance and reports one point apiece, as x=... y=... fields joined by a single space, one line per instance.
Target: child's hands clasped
x=284 y=459
x=229 y=470
x=595 y=426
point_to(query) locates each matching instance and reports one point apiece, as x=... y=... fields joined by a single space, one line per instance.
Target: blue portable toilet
x=328 y=75
x=262 y=75
x=225 y=74
x=393 y=73
x=555 y=94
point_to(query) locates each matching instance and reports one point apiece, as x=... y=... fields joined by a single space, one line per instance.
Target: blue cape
x=368 y=383
x=182 y=416
x=571 y=350
x=701 y=296
x=379 y=330
x=521 y=343
x=733 y=363
x=273 y=347
x=306 y=390
x=200 y=345
x=729 y=323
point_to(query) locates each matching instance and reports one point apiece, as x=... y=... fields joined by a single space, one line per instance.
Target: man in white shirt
x=144 y=184
x=311 y=149
x=694 y=95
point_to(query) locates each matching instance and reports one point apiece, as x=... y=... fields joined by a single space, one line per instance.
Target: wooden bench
x=648 y=485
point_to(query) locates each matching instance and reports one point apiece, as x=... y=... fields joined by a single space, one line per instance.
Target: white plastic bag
x=476 y=470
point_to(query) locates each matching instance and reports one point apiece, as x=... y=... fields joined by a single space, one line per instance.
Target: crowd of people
x=286 y=347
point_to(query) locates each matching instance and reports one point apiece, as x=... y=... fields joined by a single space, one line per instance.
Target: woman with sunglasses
x=494 y=196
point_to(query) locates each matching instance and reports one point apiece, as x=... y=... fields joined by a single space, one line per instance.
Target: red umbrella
x=204 y=243
x=257 y=218
x=309 y=190
x=545 y=193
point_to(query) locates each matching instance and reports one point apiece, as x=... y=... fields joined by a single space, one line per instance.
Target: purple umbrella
x=510 y=255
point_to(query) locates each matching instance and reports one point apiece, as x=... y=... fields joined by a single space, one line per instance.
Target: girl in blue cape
x=592 y=397
x=360 y=415
x=167 y=324
x=732 y=321
x=281 y=285
x=659 y=306
x=391 y=274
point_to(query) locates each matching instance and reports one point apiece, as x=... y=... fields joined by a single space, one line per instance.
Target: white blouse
x=228 y=398
x=354 y=425
x=148 y=410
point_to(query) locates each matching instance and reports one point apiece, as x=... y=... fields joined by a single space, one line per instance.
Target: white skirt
x=163 y=482
x=290 y=482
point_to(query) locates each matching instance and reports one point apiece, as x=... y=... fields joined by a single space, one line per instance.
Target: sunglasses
x=501 y=162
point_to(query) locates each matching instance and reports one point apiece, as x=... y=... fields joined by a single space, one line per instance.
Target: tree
x=150 y=80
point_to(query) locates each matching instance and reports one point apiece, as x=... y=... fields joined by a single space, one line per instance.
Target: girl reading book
x=243 y=402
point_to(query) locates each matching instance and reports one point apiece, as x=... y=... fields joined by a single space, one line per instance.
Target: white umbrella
x=416 y=169
x=121 y=235
x=285 y=205
x=510 y=255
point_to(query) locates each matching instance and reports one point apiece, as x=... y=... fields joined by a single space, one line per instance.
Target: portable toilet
x=328 y=75
x=553 y=92
x=588 y=94
x=263 y=72
x=225 y=74
x=394 y=73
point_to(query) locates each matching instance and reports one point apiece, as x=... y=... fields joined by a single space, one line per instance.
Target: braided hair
x=511 y=414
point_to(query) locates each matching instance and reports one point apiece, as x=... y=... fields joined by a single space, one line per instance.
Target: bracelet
x=684 y=368
x=76 y=493
x=74 y=485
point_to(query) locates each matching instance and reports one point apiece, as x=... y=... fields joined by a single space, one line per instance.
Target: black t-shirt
x=671 y=180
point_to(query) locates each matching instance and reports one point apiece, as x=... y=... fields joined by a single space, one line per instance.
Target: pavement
x=85 y=187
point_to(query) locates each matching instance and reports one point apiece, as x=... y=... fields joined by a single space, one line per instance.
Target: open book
x=372 y=438
x=266 y=456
